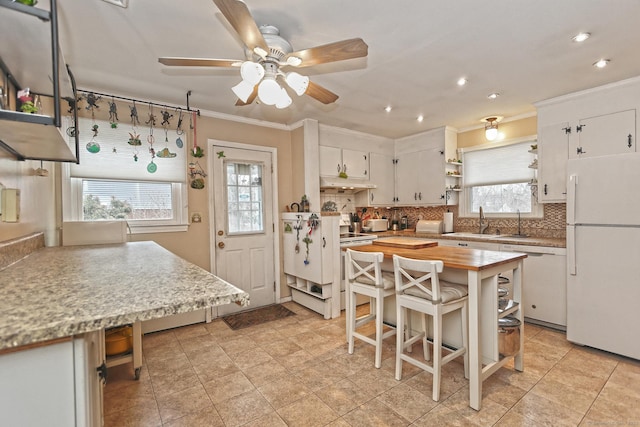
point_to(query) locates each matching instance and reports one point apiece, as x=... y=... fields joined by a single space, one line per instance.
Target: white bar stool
x=365 y=277
x=418 y=288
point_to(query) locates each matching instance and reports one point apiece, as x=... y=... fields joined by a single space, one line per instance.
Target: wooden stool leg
x=379 y=326
x=400 y=335
x=437 y=356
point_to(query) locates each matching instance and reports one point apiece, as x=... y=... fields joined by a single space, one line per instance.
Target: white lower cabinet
x=545 y=284
x=53 y=384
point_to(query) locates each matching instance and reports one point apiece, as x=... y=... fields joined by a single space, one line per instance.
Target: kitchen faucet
x=483 y=226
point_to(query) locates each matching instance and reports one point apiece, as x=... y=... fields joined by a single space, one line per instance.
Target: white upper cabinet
x=595 y=122
x=603 y=135
x=334 y=161
x=421 y=161
x=553 y=149
x=382 y=175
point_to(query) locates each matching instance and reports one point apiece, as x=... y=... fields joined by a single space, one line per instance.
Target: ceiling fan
x=267 y=52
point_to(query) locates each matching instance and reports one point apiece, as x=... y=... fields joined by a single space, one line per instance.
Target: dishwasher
x=544 y=291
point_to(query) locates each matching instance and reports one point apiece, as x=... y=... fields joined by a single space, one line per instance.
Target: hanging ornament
x=92 y=101
x=196 y=151
x=197 y=175
x=92 y=146
x=165 y=153
x=179 y=131
x=151 y=167
x=134 y=114
x=166 y=116
x=113 y=114
x=134 y=138
x=152 y=117
x=135 y=156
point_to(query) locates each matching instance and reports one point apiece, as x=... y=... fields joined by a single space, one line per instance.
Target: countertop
x=63 y=291
x=488 y=238
x=451 y=256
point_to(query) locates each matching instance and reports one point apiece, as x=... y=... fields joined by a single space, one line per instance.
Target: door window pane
x=245 y=210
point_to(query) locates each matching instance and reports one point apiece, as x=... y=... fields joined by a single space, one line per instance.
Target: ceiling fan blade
x=250 y=99
x=320 y=93
x=338 y=51
x=238 y=15
x=200 y=62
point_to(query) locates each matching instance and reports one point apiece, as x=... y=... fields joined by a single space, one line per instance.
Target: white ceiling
x=417 y=51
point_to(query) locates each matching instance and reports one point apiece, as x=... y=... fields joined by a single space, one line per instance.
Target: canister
x=508 y=336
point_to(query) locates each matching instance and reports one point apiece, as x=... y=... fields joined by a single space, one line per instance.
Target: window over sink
x=499 y=178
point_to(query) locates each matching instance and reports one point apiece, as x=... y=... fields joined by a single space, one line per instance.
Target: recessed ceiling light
x=493 y=95
x=420 y=118
x=462 y=81
x=580 y=37
x=387 y=108
x=601 y=63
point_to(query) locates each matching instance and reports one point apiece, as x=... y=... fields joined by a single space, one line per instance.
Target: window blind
x=501 y=165
x=115 y=160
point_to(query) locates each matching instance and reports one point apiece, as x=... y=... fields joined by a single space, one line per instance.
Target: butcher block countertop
x=405 y=242
x=63 y=291
x=451 y=256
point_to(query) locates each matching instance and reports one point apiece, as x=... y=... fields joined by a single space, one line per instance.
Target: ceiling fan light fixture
x=294 y=61
x=297 y=82
x=284 y=100
x=243 y=90
x=269 y=91
x=251 y=72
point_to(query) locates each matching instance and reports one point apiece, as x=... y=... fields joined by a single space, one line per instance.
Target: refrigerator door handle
x=571 y=199
x=571 y=250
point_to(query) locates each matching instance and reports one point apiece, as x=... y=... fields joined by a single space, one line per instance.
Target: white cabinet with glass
x=343 y=162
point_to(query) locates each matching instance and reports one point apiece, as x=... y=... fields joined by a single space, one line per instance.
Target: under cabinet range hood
x=347 y=185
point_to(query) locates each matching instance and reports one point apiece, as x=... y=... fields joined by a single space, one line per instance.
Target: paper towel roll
x=448 y=222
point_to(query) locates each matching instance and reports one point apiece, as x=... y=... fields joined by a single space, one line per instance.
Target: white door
x=244 y=238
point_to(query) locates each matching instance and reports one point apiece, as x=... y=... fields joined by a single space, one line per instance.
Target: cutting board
x=406 y=243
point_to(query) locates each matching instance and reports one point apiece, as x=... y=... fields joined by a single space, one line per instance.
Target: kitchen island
x=56 y=304
x=479 y=270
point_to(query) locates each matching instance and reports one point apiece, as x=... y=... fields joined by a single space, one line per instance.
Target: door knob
x=221 y=245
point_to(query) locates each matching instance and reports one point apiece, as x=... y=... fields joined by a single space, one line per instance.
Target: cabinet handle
x=102 y=372
x=420 y=195
x=463 y=244
x=415 y=196
x=324 y=242
x=372 y=196
x=629 y=139
x=545 y=189
x=339 y=168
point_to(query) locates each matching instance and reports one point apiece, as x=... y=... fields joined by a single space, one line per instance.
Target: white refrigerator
x=603 y=253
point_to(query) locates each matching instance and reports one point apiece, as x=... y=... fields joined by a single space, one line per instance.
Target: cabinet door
x=553 y=147
x=330 y=161
x=607 y=134
x=382 y=173
x=356 y=163
x=407 y=170
x=545 y=290
x=432 y=177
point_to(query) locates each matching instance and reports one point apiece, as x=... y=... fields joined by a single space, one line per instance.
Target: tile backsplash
x=553 y=223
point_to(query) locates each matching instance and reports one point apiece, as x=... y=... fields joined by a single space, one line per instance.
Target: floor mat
x=257 y=316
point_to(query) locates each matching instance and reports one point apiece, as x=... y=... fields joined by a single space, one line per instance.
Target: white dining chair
x=419 y=289
x=365 y=276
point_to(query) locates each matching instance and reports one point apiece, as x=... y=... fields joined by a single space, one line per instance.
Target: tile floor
x=297 y=372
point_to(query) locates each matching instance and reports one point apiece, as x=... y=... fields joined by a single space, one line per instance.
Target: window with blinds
x=137 y=174
x=498 y=179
